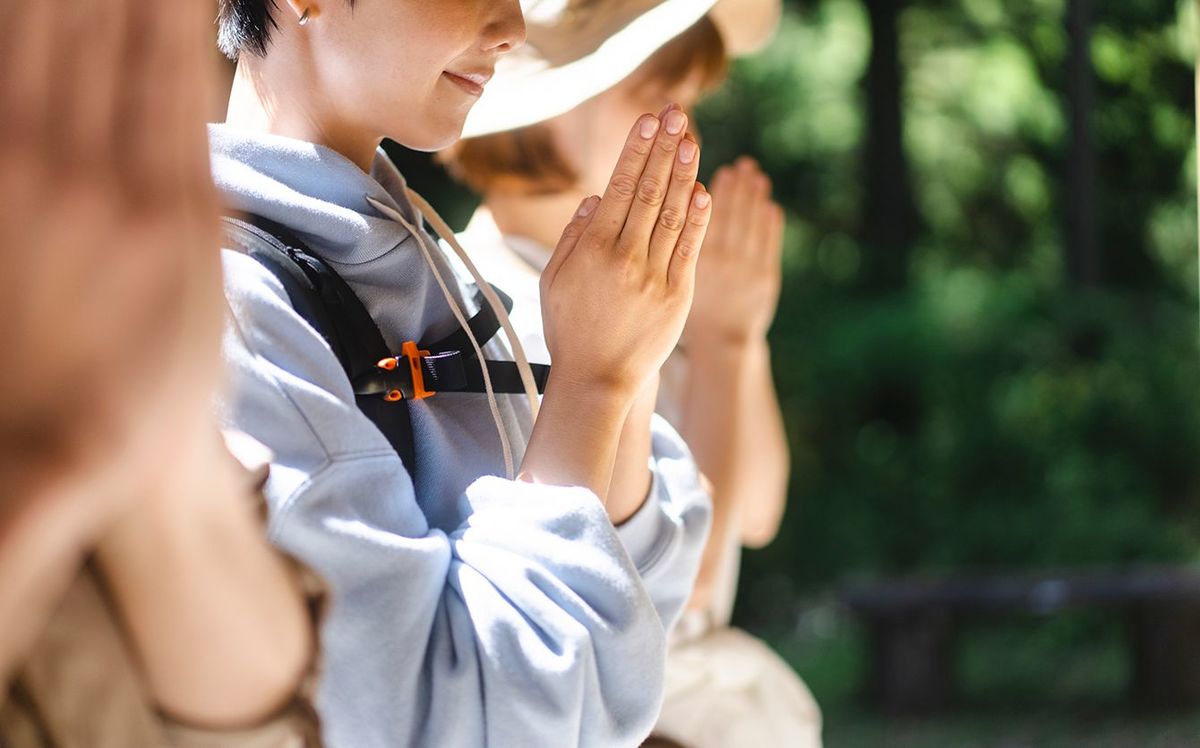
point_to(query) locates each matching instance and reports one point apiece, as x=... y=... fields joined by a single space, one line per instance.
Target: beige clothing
x=727 y=689
x=80 y=687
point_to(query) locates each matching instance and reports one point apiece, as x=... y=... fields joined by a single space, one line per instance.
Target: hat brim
x=527 y=90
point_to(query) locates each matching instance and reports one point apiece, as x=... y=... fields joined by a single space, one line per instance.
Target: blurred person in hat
x=546 y=132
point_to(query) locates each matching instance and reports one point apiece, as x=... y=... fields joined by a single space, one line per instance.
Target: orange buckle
x=409 y=351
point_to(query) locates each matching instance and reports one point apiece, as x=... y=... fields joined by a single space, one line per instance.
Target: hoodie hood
x=313 y=190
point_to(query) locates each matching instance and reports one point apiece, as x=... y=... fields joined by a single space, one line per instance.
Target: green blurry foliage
x=979 y=423
x=988 y=416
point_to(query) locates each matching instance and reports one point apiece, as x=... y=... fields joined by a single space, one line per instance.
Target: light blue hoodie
x=467 y=610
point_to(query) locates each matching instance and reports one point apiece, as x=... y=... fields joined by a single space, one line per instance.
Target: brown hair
x=527 y=161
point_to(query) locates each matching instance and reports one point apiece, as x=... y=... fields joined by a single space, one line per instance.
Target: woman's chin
x=435 y=136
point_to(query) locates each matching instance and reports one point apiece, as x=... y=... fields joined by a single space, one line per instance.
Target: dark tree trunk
x=1164 y=642
x=890 y=222
x=912 y=660
x=1082 y=251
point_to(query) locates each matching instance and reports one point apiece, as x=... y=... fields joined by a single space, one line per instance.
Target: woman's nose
x=506 y=32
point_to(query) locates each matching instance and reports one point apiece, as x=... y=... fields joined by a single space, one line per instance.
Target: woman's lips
x=472 y=83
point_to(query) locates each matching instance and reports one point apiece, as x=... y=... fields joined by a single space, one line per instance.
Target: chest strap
x=420 y=369
x=384 y=381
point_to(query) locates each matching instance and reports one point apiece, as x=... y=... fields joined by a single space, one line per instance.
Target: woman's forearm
x=732 y=422
x=631 y=474
x=575 y=439
x=215 y=614
x=765 y=454
x=714 y=430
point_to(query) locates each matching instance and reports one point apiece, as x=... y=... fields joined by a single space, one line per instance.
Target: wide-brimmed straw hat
x=577 y=49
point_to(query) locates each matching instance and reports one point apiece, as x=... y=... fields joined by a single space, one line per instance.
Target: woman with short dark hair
x=499 y=574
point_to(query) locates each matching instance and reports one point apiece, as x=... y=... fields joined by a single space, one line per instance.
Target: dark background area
x=987 y=343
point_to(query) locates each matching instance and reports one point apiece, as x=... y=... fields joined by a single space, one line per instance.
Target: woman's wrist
x=575 y=438
x=593 y=405
x=714 y=348
x=609 y=389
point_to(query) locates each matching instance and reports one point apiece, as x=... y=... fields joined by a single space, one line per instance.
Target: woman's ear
x=304 y=10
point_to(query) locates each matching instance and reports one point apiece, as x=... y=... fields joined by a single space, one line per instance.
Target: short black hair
x=245 y=26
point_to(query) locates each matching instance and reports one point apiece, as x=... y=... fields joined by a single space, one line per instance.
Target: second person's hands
x=739 y=275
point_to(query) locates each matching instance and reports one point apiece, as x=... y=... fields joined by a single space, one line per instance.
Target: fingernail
x=687 y=152
x=701 y=200
x=649 y=128
x=676 y=121
x=586 y=208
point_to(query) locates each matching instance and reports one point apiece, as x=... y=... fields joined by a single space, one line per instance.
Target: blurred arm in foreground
x=110 y=321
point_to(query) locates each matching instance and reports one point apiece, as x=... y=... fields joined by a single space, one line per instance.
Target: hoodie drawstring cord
x=493 y=405
x=518 y=350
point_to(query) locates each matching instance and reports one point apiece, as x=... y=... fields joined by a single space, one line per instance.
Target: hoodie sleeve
x=526 y=625
x=666 y=536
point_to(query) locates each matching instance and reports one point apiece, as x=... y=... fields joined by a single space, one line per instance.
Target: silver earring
x=304 y=17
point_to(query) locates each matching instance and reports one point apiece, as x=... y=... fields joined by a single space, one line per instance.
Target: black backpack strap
x=322 y=298
x=451 y=364
x=384 y=382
